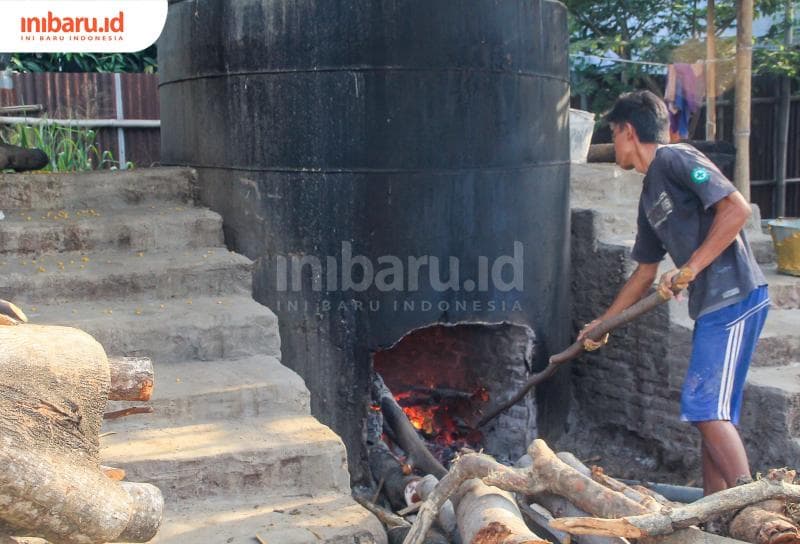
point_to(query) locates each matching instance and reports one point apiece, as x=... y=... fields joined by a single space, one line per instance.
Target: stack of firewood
x=551 y=497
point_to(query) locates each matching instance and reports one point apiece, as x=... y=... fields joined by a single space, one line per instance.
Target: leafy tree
x=656 y=31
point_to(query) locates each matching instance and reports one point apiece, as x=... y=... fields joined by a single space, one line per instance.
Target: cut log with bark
x=132 y=378
x=407 y=437
x=669 y=520
x=488 y=515
x=387 y=469
x=54 y=384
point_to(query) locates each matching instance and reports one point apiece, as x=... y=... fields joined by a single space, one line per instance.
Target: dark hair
x=646 y=112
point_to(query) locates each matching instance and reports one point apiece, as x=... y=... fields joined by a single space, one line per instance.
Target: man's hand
x=675 y=281
x=588 y=343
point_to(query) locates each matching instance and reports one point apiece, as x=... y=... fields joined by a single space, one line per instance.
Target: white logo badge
x=76 y=26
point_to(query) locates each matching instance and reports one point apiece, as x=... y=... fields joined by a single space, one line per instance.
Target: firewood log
x=667 y=520
x=386 y=468
x=54 y=384
x=765 y=522
x=407 y=437
x=131 y=378
x=488 y=515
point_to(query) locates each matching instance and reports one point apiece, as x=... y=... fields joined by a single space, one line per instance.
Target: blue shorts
x=722 y=346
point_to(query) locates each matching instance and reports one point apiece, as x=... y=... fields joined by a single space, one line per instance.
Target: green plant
x=71 y=149
x=143 y=61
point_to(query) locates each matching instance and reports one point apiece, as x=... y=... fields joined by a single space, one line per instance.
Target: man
x=688 y=209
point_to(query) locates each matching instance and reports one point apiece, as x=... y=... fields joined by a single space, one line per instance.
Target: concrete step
x=194 y=391
x=99 y=190
x=168 y=330
x=138 y=228
x=771 y=414
x=76 y=276
x=321 y=519
x=287 y=455
x=784 y=290
x=779 y=341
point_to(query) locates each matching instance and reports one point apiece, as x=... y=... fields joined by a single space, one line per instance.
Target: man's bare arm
x=731 y=214
x=634 y=289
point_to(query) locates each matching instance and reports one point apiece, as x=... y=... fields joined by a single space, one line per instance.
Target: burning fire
x=442 y=417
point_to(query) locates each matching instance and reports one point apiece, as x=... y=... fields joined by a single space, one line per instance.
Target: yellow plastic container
x=786 y=237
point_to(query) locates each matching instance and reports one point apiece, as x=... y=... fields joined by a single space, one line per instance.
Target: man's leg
x=712 y=478
x=724 y=457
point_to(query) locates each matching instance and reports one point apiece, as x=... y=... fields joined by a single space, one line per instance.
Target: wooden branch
x=407 y=436
x=128 y=412
x=540 y=516
x=131 y=378
x=668 y=520
x=389 y=519
x=447 y=515
x=645 y=305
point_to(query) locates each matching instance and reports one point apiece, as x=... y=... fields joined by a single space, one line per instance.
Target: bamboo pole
x=711 y=74
x=783 y=123
x=744 y=54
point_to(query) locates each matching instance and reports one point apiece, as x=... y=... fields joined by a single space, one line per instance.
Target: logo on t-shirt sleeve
x=700 y=174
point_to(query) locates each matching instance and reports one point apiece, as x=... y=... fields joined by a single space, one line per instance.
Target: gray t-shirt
x=675 y=214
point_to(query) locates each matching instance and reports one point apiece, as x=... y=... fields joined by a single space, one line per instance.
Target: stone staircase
x=604 y=204
x=129 y=258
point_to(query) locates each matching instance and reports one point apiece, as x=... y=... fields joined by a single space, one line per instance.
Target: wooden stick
x=407 y=436
x=668 y=520
x=132 y=378
x=128 y=412
x=390 y=519
x=643 y=306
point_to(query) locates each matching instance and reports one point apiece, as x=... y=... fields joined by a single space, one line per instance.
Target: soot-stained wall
x=357 y=142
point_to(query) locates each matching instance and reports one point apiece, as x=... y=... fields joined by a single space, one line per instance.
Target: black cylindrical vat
x=389 y=129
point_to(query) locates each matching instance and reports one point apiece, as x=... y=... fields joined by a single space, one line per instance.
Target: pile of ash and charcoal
x=545 y=496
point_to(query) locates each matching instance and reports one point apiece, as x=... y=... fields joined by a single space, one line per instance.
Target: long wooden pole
x=744 y=54
x=783 y=123
x=711 y=74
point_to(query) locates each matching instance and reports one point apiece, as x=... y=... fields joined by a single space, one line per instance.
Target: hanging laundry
x=684 y=95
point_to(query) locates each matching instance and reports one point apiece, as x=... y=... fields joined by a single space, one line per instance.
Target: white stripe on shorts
x=729 y=371
x=749 y=312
